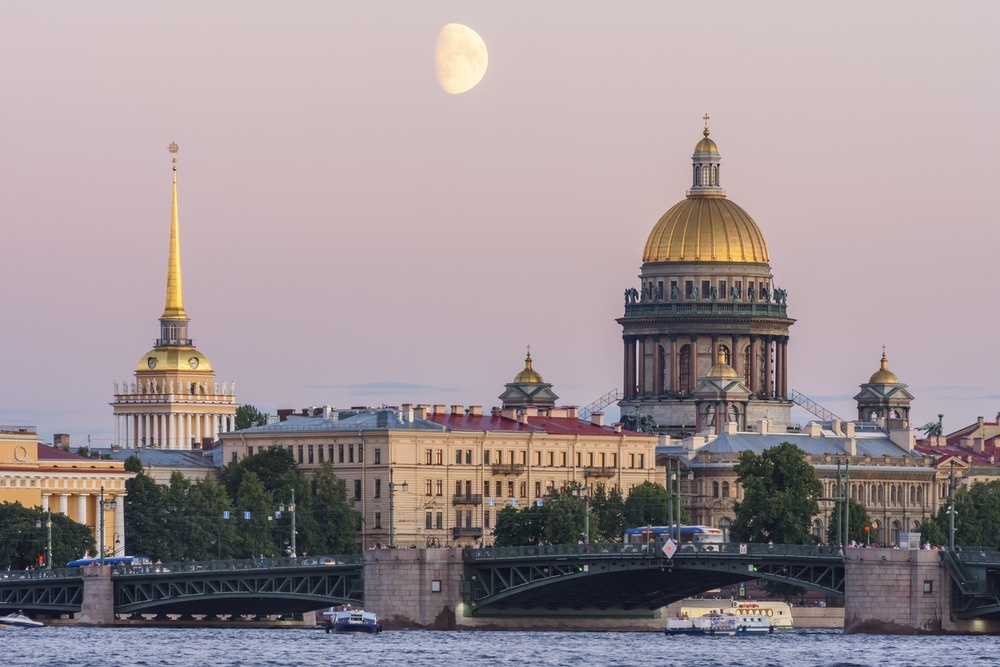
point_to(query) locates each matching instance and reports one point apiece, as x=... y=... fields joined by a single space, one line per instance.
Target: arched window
x=715 y=489
x=734 y=413
x=708 y=415
x=895 y=528
x=684 y=368
x=894 y=414
x=920 y=495
x=746 y=365
x=725 y=489
x=892 y=494
x=724 y=355
x=817 y=530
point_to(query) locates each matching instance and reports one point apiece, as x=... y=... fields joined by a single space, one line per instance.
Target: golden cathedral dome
x=528 y=375
x=883 y=375
x=706 y=229
x=184 y=359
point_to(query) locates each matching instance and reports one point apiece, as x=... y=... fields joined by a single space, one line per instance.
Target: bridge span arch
x=602 y=577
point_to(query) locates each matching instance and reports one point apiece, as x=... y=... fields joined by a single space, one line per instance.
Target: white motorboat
x=19 y=621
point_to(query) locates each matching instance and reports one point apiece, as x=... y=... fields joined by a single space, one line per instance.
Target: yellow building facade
x=37 y=475
x=438 y=475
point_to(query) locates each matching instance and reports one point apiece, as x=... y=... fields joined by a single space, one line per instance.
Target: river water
x=239 y=647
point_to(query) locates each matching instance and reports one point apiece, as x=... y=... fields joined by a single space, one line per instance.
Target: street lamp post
x=392 y=517
x=48 y=537
x=104 y=505
x=291 y=509
x=951 y=508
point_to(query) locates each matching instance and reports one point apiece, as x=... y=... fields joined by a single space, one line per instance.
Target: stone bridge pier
x=902 y=591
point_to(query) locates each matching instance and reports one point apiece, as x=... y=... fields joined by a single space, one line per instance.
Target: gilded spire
x=175 y=294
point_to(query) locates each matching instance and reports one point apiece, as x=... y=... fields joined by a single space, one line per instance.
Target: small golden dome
x=883 y=375
x=528 y=375
x=183 y=359
x=722 y=370
x=704 y=229
x=706 y=145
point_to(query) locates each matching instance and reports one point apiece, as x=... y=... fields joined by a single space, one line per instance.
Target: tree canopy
x=647 y=505
x=25 y=537
x=780 y=490
x=247 y=416
x=248 y=513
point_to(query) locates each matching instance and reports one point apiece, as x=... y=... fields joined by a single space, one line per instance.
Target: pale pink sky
x=353 y=235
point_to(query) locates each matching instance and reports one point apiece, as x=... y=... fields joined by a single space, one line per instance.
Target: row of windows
x=355 y=453
x=500 y=489
x=319 y=453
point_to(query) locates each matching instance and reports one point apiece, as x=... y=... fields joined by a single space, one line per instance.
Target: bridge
x=497 y=581
x=285 y=586
x=515 y=580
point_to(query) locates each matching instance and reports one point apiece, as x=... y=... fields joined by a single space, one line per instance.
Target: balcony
x=599 y=471
x=467 y=499
x=509 y=468
x=457 y=533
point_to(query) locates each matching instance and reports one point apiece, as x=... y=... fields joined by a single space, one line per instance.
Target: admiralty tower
x=706 y=333
x=174 y=400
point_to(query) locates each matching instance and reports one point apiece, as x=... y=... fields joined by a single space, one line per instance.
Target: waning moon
x=460 y=58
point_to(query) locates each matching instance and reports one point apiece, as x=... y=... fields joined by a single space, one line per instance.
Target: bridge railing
x=236 y=564
x=37 y=575
x=649 y=551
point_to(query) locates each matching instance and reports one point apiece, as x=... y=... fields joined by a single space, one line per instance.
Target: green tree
x=647 y=505
x=780 y=489
x=255 y=536
x=146 y=529
x=519 y=528
x=24 y=537
x=563 y=517
x=977 y=517
x=856 y=522
x=607 y=521
x=270 y=466
x=247 y=416
x=211 y=535
x=931 y=531
x=331 y=519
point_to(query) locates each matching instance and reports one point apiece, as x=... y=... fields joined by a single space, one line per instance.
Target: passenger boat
x=715 y=624
x=351 y=620
x=779 y=614
x=19 y=621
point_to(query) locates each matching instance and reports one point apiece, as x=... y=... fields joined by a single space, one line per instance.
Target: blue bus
x=110 y=560
x=691 y=537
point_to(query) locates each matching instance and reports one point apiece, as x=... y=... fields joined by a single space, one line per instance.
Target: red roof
x=47 y=453
x=537 y=424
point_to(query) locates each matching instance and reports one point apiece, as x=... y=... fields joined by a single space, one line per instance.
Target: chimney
x=420 y=412
x=326 y=411
x=851 y=447
x=458 y=410
x=522 y=417
x=977 y=445
x=573 y=412
x=618 y=427
x=529 y=411
x=60 y=440
x=764 y=426
x=835 y=426
x=476 y=410
x=597 y=418
x=439 y=410
x=509 y=413
x=407 y=411
x=732 y=428
x=849 y=429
